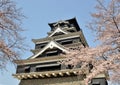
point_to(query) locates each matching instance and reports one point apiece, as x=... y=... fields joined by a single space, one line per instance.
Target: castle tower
x=42 y=68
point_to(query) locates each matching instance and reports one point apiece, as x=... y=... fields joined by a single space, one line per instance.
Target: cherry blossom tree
x=11 y=41
x=106 y=56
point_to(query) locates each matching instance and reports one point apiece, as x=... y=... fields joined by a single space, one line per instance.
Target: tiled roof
x=47 y=39
x=50 y=45
x=38 y=60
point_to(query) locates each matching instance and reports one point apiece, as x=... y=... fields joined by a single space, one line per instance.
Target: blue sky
x=41 y=12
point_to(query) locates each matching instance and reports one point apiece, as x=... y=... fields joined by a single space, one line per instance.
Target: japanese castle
x=42 y=68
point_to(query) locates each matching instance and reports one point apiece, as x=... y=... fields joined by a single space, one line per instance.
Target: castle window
x=48 y=67
x=66 y=42
x=20 y=69
x=61 y=24
x=71 y=30
x=38 y=46
x=52 y=53
x=27 y=69
x=42 y=46
x=58 y=33
x=69 y=66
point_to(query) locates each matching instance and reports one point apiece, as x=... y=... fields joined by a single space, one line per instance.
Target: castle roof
x=50 y=45
x=70 y=21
